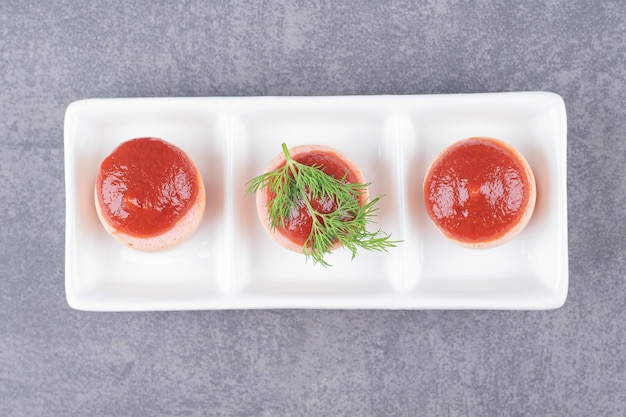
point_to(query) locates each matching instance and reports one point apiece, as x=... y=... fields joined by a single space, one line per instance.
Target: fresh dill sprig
x=296 y=184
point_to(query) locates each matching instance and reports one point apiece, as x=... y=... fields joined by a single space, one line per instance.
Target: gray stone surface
x=55 y=361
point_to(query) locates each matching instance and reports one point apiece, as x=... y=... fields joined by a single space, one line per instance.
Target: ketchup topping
x=477 y=190
x=145 y=186
x=298 y=225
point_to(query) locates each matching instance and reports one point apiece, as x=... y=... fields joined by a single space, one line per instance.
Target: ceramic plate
x=230 y=262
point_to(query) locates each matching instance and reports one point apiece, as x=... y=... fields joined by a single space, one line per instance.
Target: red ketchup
x=478 y=191
x=145 y=186
x=298 y=226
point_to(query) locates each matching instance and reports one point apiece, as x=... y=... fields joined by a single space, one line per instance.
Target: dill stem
x=294 y=171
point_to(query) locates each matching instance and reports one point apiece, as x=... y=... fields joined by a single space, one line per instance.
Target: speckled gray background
x=55 y=361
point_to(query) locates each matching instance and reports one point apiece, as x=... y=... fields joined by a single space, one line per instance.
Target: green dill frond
x=294 y=184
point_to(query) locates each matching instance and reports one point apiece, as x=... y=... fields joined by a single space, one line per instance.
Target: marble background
x=55 y=361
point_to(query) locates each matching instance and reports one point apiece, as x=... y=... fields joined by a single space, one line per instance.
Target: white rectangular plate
x=230 y=262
